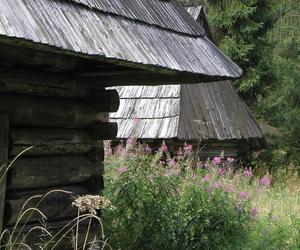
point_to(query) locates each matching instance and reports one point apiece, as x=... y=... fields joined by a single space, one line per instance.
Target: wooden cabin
x=210 y=116
x=56 y=58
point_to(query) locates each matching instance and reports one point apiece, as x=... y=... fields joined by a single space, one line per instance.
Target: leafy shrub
x=173 y=203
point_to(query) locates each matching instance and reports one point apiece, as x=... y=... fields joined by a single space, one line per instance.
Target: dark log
x=96 y=154
x=103 y=101
x=49 y=150
x=33 y=55
x=95 y=183
x=4 y=128
x=51 y=141
x=13 y=53
x=49 y=112
x=39 y=239
x=42 y=83
x=55 y=206
x=45 y=83
x=51 y=171
x=104 y=130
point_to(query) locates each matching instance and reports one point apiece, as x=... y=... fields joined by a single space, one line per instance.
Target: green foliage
x=239 y=28
x=167 y=206
x=280 y=106
x=191 y=2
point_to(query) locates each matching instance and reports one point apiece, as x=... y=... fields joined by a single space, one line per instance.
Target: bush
x=173 y=203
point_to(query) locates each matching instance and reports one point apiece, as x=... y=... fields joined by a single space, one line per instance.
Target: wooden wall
x=66 y=121
x=206 y=149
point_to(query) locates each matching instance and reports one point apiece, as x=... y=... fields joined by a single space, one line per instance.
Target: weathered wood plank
x=55 y=206
x=55 y=84
x=41 y=172
x=49 y=112
x=51 y=141
x=42 y=83
x=49 y=150
x=4 y=128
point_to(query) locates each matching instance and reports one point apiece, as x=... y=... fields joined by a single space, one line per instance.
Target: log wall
x=66 y=121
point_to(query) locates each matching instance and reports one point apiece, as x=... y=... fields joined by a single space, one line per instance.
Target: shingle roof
x=144 y=33
x=205 y=111
x=198 y=14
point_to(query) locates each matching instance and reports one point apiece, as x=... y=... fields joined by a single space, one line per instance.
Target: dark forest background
x=263 y=37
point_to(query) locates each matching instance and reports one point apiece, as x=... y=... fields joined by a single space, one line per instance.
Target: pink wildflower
x=187 y=149
x=244 y=195
x=248 y=172
x=207 y=165
x=129 y=141
x=108 y=150
x=148 y=149
x=136 y=120
x=171 y=163
x=229 y=188
x=120 y=150
x=230 y=160
x=205 y=178
x=122 y=170
x=217 y=185
x=217 y=160
x=164 y=147
x=222 y=171
x=265 y=181
x=253 y=212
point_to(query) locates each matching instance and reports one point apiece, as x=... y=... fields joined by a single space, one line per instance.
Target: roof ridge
x=189 y=28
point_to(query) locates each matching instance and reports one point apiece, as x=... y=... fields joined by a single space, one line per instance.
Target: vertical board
x=4 y=130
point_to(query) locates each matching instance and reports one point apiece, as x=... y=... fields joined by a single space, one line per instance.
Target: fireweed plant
x=179 y=202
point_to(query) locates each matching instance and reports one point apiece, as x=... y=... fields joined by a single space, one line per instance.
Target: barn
x=56 y=59
x=210 y=116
